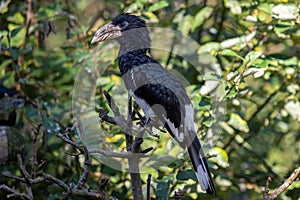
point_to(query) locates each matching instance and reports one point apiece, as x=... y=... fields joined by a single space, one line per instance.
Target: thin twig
x=86 y=168
x=149 y=187
x=32 y=181
x=266 y=192
x=282 y=187
x=104 y=117
x=111 y=153
x=36 y=139
x=118 y=117
x=71 y=191
x=132 y=146
x=135 y=147
x=70 y=142
x=56 y=181
x=87 y=158
x=26 y=176
x=15 y=193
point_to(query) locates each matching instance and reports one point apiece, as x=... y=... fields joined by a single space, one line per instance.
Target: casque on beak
x=106 y=32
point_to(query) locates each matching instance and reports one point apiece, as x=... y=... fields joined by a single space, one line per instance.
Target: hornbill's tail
x=200 y=165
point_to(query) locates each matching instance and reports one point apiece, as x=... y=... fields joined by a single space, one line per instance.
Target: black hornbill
x=160 y=94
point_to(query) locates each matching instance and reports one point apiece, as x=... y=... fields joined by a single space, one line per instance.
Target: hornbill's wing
x=150 y=84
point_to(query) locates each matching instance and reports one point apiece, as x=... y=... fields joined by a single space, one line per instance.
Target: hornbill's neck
x=132 y=47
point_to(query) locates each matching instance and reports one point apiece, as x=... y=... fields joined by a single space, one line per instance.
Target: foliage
x=255 y=44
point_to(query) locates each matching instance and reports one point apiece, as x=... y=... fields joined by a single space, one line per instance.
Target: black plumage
x=160 y=94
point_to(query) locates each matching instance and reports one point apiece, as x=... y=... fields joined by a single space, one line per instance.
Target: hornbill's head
x=126 y=29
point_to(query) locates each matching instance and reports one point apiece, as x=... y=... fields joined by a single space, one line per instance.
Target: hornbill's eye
x=123 y=24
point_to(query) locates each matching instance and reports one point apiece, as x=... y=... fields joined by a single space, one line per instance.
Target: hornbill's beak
x=106 y=32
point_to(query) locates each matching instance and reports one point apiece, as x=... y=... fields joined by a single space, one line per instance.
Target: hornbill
x=160 y=95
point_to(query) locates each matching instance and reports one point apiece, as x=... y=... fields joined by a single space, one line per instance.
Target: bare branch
x=87 y=158
x=56 y=181
x=282 y=188
x=26 y=176
x=135 y=147
x=132 y=146
x=73 y=191
x=32 y=181
x=15 y=193
x=111 y=153
x=120 y=121
x=70 y=142
x=86 y=168
x=148 y=187
x=104 y=117
x=266 y=192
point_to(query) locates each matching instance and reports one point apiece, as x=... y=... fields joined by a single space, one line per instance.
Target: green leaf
x=285 y=12
x=263 y=64
x=185 y=25
x=232 y=93
x=50 y=11
x=32 y=91
x=211 y=75
x=201 y=16
x=4 y=6
x=238 y=42
x=162 y=190
x=229 y=52
x=16 y=31
x=251 y=57
x=17 y=18
x=204 y=104
x=256 y=72
x=220 y=156
x=281 y=27
x=208 y=47
x=234 y=6
x=186 y=175
x=238 y=123
x=293 y=61
x=293 y=108
x=266 y=7
x=157 y=6
x=9 y=80
x=4 y=64
x=207 y=122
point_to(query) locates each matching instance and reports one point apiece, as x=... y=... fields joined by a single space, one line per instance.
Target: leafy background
x=255 y=44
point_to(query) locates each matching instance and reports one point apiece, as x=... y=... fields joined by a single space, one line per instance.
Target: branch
x=32 y=181
x=87 y=158
x=26 y=176
x=132 y=146
x=148 y=187
x=111 y=153
x=74 y=191
x=119 y=119
x=56 y=181
x=15 y=193
x=70 y=142
x=104 y=117
x=282 y=188
x=135 y=146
